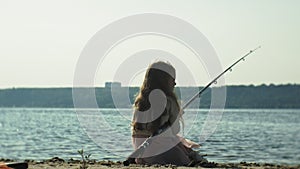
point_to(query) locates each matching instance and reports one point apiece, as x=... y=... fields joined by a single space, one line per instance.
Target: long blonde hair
x=157 y=76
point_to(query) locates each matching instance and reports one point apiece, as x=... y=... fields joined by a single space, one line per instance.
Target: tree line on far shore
x=241 y=96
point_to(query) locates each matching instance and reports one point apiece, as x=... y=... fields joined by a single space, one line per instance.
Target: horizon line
x=103 y=86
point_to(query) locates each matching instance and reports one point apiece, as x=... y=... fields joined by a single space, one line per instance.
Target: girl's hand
x=188 y=143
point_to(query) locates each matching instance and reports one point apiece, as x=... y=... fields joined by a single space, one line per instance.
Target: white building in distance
x=112 y=84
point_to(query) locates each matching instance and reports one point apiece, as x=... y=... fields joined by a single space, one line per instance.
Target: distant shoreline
x=103 y=86
x=189 y=109
x=237 y=97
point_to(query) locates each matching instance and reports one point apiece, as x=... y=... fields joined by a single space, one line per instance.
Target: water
x=252 y=135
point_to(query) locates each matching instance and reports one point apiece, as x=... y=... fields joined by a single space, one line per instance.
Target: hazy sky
x=41 y=40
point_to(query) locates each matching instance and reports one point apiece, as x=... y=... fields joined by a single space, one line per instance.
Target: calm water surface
x=252 y=135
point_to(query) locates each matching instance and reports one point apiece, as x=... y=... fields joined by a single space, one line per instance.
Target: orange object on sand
x=14 y=165
x=4 y=166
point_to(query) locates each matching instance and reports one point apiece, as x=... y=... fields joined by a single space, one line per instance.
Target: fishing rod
x=140 y=150
x=198 y=94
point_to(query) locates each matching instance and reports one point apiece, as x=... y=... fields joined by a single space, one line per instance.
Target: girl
x=157 y=112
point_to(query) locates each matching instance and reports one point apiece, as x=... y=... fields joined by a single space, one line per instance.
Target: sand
x=57 y=163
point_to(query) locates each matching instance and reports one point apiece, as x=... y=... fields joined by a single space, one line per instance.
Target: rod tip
x=255 y=49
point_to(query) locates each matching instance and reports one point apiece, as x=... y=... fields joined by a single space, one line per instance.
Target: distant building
x=112 y=84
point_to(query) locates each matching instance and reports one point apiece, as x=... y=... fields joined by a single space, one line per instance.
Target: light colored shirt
x=170 y=116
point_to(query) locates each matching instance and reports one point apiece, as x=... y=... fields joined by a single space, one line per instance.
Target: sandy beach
x=58 y=163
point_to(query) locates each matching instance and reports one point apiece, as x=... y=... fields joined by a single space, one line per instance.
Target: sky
x=42 y=40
